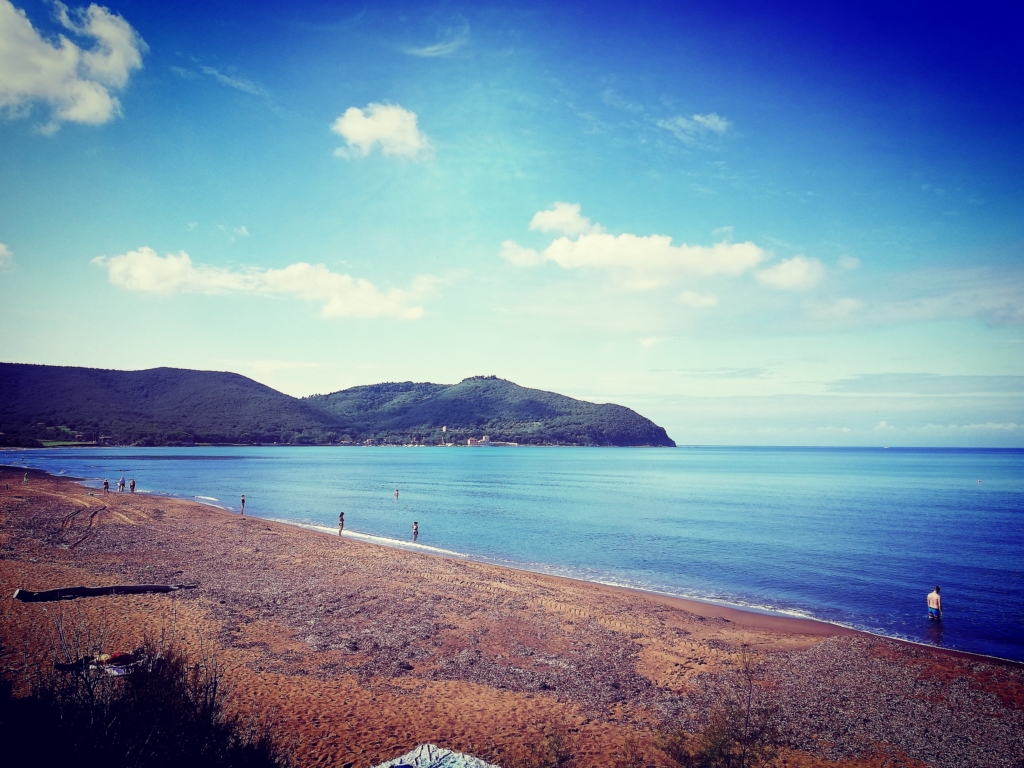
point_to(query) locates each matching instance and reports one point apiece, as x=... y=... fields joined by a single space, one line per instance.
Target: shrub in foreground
x=167 y=711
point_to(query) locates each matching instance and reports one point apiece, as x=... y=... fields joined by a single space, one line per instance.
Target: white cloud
x=650 y=341
x=694 y=299
x=341 y=295
x=696 y=129
x=798 y=273
x=232 y=232
x=231 y=81
x=518 y=256
x=639 y=262
x=564 y=218
x=996 y=296
x=75 y=82
x=848 y=262
x=6 y=257
x=388 y=125
x=452 y=39
x=839 y=309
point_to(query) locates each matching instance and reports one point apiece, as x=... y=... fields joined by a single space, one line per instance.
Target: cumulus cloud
x=564 y=218
x=796 y=274
x=390 y=126
x=340 y=295
x=518 y=256
x=76 y=82
x=694 y=299
x=696 y=129
x=6 y=257
x=639 y=261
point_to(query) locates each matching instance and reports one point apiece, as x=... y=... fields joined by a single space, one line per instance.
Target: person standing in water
x=935 y=604
x=243 y=503
x=106 y=484
x=396 y=493
x=120 y=485
x=131 y=485
x=415 y=531
x=341 y=522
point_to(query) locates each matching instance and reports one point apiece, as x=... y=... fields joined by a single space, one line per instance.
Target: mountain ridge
x=46 y=405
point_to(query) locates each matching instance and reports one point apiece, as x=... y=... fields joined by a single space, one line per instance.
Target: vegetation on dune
x=168 y=710
x=49 y=405
x=744 y=729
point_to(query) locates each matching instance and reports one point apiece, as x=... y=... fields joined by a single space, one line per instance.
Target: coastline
x=365 y=651
x=755 y=618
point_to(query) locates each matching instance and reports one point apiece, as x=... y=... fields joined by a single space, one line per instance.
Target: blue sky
x=753 y=227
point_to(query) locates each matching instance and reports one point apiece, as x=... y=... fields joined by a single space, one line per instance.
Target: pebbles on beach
x=298 y=604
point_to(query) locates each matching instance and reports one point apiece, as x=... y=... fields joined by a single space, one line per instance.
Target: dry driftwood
x=69 y=593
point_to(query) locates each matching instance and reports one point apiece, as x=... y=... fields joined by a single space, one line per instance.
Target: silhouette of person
x=415 y=531
x=243 y=503
x=341 y=522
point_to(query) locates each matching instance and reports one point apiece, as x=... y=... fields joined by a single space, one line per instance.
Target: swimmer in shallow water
x=935 y=604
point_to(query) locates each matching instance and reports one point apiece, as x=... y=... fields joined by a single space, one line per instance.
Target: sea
x=856 y=537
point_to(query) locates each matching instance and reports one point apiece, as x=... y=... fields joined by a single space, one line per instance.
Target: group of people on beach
x=341 y=521
x=120 y=485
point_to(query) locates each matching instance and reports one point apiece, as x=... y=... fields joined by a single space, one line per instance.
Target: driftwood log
x=70 y=593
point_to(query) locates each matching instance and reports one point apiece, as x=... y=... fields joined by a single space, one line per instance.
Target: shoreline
x=758 y=619
x=366 y=651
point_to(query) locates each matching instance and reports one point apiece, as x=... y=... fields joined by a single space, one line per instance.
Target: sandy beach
x=362 y=651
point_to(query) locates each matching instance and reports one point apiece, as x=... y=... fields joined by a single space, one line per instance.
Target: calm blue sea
x=853 y=536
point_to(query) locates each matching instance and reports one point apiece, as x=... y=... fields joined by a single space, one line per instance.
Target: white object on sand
x=433 y=756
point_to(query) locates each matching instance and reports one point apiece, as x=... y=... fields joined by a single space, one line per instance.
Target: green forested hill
x=169 y=406
x=154 y=407
x=486 y=405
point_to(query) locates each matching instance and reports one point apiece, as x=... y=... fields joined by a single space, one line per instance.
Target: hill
x=42 y=405
x=161 y=406
x=486 y=405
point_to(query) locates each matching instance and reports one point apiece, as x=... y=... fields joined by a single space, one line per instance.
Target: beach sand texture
x=362 y=652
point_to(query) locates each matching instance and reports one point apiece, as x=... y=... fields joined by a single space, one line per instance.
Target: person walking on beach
x=106 y=485
x=243 y=503
x=131 y=485
x=341 y=522
x=415 y=531
x=935 y=604
x=26 y=480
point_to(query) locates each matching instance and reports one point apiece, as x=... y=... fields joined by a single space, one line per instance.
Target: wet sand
x=362 y=651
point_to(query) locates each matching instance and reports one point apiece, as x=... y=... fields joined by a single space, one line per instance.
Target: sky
x=754 y=226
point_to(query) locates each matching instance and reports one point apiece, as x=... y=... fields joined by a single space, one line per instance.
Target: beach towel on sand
x=431 y=756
